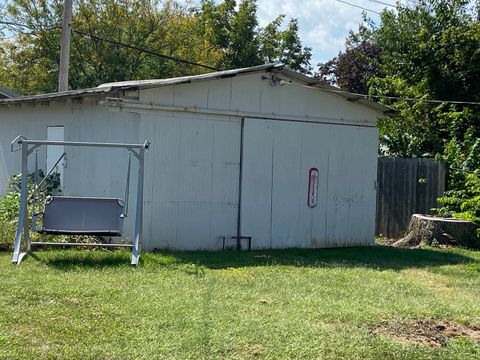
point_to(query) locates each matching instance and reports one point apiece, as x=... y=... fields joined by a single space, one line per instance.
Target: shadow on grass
x=378 y=257
x=74 y=259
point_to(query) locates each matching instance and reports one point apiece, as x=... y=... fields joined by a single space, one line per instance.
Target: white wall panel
x=192 y=168
x=4 y=175
x=255 y=93
x=351 y=195
x=277 y=159
x=192 y=94
x=220 y=94
x=340 y=196
x=147 y=131
x=365 y=170
x=256 y=214
x=193 y=199
x=315 y=154
x=88 y=171
x=287 y=192
x=246 y=97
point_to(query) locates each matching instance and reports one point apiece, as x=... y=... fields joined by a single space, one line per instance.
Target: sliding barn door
x=277 y=159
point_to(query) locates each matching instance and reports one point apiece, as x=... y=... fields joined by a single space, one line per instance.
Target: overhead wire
x=367 y=9
x=386 y=97
x=432 y=101
x=116 y=43
x=358 y=6
x=146 y=51
x=176 y=59
x=382 y=3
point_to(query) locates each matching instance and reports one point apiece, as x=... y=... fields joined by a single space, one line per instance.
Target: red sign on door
x=313 y=175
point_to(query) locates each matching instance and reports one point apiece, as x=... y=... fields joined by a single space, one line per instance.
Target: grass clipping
x=427 y=332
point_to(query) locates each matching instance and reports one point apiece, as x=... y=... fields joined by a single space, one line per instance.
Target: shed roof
x=279 y=69
x=6 y=93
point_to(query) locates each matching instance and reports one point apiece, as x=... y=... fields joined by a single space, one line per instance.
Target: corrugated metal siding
x=192 y=168
x=315 y=153
x=351 y=192
x=257 y=179
x=192 y=180
x=277 y=158
x=88 y=171
x=251 y=93
x=3 y=171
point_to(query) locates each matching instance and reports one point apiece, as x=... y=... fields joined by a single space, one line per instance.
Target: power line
x=117 y=43
x=380 y=97
x=382 y=3
x=146 y=51
x=358 y=6
x=433 y=101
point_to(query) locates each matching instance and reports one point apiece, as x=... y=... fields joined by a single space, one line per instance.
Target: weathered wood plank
x=406 y=187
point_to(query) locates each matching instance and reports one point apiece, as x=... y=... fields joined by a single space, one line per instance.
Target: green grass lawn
x=291 y=304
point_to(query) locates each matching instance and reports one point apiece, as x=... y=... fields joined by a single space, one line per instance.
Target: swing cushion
x=83 y=216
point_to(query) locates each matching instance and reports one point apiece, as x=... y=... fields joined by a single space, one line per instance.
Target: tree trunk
x=429 y=230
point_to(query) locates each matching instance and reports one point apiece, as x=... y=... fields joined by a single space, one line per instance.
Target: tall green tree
x=270 y=39
x=430 y=51
x=427 y=51
x=237 y=34
x=220 y=35
x=233 y=31
x=293 y=54
x=285 y=46
x=352 y=69
x=243 y=50
x=168 y=29
x=215 y=25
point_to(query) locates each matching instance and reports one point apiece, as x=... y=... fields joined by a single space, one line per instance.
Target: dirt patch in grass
x=250 y=351
x=427 y=332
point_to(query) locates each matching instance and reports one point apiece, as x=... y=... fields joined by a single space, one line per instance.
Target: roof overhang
x=6 y=93
x=314 y=83
x=110 y=89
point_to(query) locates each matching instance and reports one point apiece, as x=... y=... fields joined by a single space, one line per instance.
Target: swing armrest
x=16 y=143
x=35 y=217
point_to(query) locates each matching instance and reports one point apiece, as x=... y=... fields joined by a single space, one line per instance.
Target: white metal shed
x=263 y=152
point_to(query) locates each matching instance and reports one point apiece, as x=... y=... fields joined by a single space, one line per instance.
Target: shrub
x=462 y=200
x=463 y=203
x=10 y=204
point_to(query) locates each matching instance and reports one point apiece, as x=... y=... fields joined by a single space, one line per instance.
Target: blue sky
x=324 y=24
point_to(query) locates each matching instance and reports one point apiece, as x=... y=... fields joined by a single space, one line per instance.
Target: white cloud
x=324 y=24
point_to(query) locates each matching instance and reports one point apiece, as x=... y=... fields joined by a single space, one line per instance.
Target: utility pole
x=65 y=46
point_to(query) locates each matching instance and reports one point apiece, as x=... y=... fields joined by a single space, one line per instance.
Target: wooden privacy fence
x=406 y=187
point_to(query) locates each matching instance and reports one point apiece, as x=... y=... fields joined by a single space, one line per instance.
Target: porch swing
x=75 y=215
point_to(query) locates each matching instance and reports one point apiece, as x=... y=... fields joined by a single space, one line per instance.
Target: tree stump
x=429 y=230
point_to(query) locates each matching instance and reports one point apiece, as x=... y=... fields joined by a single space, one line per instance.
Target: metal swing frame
x=27 y=147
